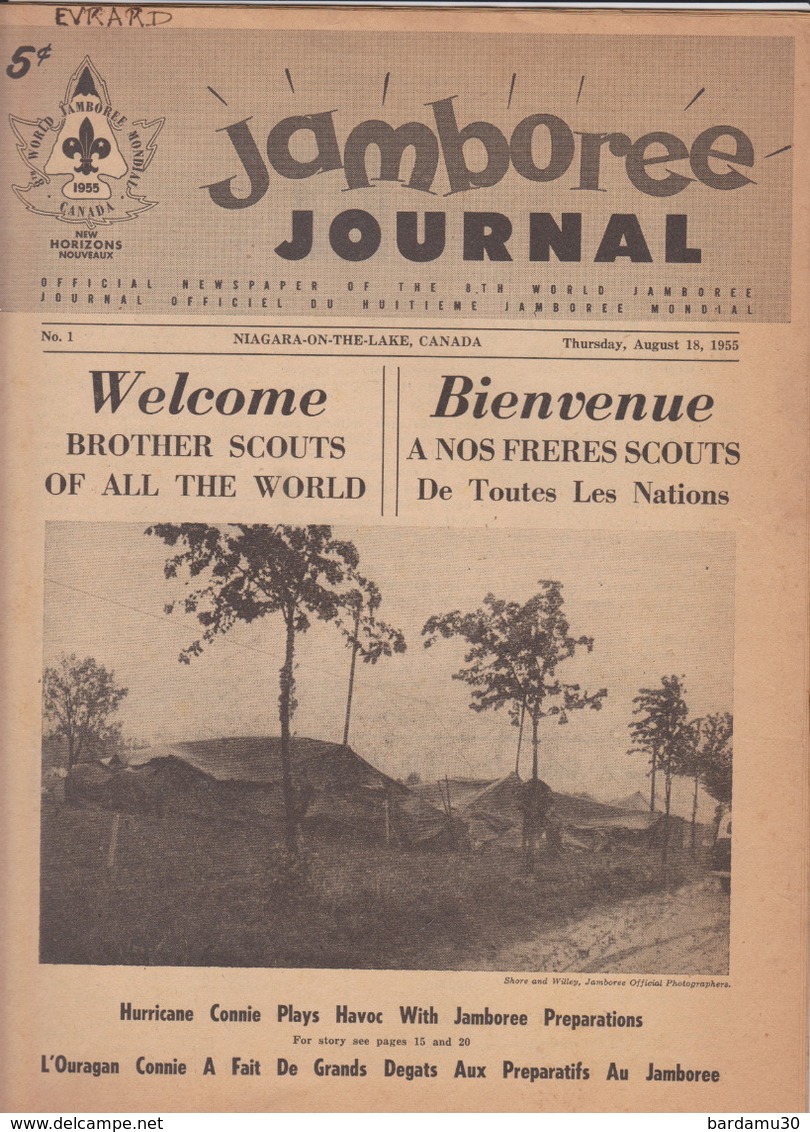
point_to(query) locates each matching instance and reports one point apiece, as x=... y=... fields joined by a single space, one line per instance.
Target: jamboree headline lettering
x=714 y=159
x=449 y=141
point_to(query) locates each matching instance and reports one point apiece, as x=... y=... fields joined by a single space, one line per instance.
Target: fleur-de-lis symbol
x=86 y=146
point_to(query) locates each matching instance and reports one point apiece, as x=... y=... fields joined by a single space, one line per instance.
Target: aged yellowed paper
x=404 y=448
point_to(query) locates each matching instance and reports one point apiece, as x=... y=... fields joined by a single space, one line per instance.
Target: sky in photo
x=656 y=603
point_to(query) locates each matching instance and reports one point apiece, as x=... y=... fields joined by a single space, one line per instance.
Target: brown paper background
x=744 y=234
x=755 y=1032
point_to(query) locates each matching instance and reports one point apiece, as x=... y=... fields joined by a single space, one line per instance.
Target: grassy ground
x=187 y=893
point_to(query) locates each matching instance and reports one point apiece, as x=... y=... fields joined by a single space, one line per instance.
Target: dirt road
x=680 y=932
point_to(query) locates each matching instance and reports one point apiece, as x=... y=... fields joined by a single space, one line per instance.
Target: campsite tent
x=340 y=794
x=495 y=813
x=492 y=811
x=163 y=785
x=636 y=801
x=240 y=778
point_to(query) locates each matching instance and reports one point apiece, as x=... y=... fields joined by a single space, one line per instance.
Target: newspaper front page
x=404 y=448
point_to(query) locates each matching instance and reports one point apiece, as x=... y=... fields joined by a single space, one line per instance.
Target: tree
x=707 y=751
x=512 y=660
x=717 y=763
x=690 y=765
x=662 y=733
x=247 y=572
x=646 y=738
x=368 y=637
x=79 y=696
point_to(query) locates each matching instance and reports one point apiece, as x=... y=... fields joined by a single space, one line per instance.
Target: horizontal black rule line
x=382 y=326
x=411 y=358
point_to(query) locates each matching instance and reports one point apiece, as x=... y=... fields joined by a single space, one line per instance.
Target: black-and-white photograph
x=423 y=749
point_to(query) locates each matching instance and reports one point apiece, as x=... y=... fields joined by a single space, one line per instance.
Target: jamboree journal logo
x=87 y=164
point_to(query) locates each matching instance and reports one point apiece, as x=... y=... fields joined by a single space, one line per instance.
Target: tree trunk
x=719 y=811
x=451 y=829
x=520 y=739
x=534 y=748
x=285 y=712
x=653 y=768
x=531 y=831
x=355 y=649
x=694 y=813
x=667 y=799
x=386 y=818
